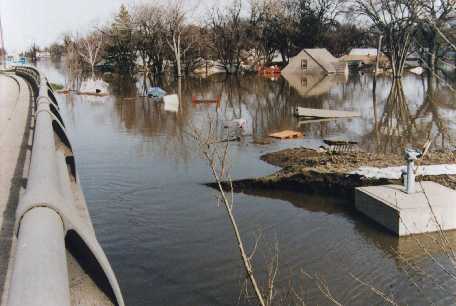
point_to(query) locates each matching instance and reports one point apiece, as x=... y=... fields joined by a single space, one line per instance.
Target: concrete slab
x=430 y=209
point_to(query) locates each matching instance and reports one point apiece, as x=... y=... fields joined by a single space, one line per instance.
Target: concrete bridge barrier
x=52 y=218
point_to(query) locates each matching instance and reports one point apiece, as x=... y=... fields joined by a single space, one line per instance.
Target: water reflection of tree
x=397 y=127
x=432 y=106
x=269 y=105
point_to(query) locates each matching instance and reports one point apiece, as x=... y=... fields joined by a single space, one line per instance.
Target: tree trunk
x=432 y=54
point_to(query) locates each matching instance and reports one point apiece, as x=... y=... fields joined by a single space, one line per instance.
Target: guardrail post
x=40 y=275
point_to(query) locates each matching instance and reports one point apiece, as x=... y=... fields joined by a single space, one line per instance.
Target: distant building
x=363 y=57
x=315 y=61
x=208 y=68
x=43 y=54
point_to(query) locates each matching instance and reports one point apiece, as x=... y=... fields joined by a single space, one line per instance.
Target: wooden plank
x=324 y=113
x=287 y=134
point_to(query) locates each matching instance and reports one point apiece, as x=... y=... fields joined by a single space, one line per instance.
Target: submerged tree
x=90 y=47
x=396 y=22
x=432 y=16
x=176 y=32
x=32 y=53
x=227 y=35
x=120 y=46
x=149 y=31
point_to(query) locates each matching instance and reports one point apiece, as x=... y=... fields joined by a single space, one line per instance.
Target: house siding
x=294 y=66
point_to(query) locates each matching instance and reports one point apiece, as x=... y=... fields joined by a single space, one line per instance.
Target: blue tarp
x=156 y=92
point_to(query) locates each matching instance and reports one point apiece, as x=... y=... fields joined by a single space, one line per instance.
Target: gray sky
x=44 y=21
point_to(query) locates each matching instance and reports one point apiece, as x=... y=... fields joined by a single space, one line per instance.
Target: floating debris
x=287 y=134
x=236 y=123
x=417 y=70
x=95 y=94
x=171 y=103
x=324 y=113
x=268 y=71
x=156 y=92
x=199 y=99
x=262 y=141
x=92 y=87
x=231 y=139
x=340 y=145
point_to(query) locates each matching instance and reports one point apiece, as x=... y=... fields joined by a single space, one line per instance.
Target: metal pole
x=410 y=156
x=410 y=177
x=40 y=275
x=2 y=45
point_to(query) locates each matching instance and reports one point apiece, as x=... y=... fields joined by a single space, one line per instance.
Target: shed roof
x=363 y=52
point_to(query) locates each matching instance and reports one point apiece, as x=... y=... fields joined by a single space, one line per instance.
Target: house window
x=304 y=82
x=303 y=64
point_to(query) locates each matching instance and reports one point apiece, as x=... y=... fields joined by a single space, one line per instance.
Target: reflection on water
x=405 y=112
x=313 y=85
x=170 y=244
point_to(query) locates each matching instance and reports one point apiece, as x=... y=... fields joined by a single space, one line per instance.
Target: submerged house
x=315 y=61
x=364 y=57
x=313 y=85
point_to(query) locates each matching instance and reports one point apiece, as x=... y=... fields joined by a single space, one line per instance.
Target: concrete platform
x=431 y=208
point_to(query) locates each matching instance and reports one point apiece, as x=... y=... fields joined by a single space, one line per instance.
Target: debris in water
x=236 y=123
x=324 y=113
x=417 y=70
x=199 y=99
x=340 y=145
x=287 y=134
x=92 y=87
x=156 y=92
x=171 y=103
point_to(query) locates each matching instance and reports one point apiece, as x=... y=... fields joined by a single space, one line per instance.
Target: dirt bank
x=306 y=170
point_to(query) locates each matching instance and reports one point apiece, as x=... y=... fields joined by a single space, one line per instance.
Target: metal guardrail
x=48 y=221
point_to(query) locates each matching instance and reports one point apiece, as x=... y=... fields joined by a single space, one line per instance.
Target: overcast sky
x=44 y=21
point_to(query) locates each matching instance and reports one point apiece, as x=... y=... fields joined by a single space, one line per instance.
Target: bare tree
x=264 y=15
x=176 y=32
x=433 y=15
x=227 y=35
x=89 y=48
x=150 y=31
x=396 y=21
x=217 y=156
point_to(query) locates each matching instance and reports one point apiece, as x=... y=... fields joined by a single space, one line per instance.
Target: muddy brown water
x=170 y=244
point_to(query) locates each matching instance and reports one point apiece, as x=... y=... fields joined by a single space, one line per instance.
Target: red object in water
x=273 y=70
x=197 y=100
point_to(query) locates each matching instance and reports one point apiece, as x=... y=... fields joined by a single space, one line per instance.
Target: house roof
x=363 y=52
x=323 y=58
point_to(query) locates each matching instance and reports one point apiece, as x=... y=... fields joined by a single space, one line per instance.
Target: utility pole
x=379 y=50
x=2 y=46
x=374 y=82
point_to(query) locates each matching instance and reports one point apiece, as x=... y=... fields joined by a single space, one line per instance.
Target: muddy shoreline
x=309 y=171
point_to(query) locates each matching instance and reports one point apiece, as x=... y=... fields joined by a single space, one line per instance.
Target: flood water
x=170 y=244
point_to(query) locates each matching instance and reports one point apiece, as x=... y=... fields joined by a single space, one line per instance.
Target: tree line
x=157 y=38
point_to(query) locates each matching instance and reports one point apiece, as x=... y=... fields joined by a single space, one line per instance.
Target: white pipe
x=410 y=177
